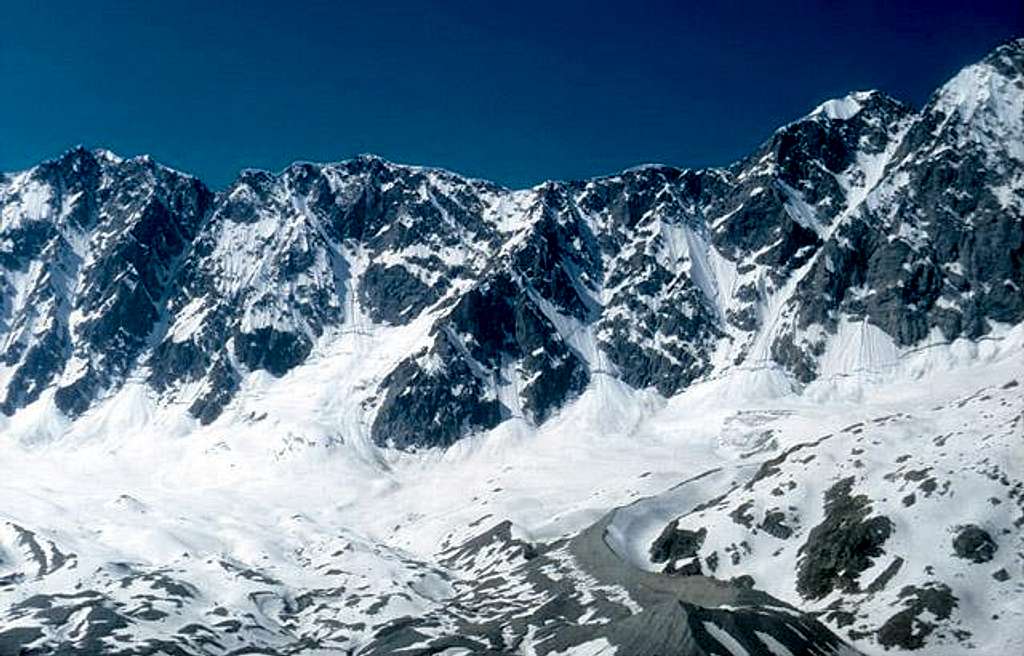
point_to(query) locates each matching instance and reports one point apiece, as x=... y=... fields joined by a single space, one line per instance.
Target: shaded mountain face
x=506 y=304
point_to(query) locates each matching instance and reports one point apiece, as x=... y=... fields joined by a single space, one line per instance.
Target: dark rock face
x=974 y=543
x=556 y=373
x=662 y=309
x=392 y=292
x=944 y=249
x=266 y=348
x=141 y=218
x=222 y=383
x=495 y=329
x=425 y=408
x=843 y=545
x=37 y=369
x=560 y=257
x=113 y=269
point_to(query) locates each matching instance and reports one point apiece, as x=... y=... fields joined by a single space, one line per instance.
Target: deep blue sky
x=516 y=92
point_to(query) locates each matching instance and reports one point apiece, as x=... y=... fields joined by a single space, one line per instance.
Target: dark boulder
x=974 y=543
x=676 y=544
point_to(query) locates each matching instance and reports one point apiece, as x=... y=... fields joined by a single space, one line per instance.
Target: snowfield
x=245 y=517
x=775 y=408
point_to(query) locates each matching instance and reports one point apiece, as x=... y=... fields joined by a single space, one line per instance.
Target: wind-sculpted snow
x=374 y=408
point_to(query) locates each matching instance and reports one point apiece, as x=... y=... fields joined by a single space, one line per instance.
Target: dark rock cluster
x=843 y=545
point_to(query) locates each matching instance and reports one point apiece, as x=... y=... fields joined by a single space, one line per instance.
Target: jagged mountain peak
x=258 y=276
x=848 y=106
x=1007 y=57
x=983 y=105
x=373 y=168
x=977 y=86
x=80 y=155
x=556 y=351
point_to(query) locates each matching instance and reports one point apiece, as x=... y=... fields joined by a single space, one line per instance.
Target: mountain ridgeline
x=496 y=304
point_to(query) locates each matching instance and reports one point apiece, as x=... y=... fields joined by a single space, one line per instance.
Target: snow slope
x=370 y=408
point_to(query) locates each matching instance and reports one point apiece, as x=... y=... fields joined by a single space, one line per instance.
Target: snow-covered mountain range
x=363 y=407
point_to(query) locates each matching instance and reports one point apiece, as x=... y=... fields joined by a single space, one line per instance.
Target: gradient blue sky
x=516 y=92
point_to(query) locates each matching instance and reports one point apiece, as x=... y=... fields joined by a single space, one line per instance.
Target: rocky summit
x=371 y=408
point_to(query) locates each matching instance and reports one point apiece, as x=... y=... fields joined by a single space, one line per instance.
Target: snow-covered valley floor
x=239 y=521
